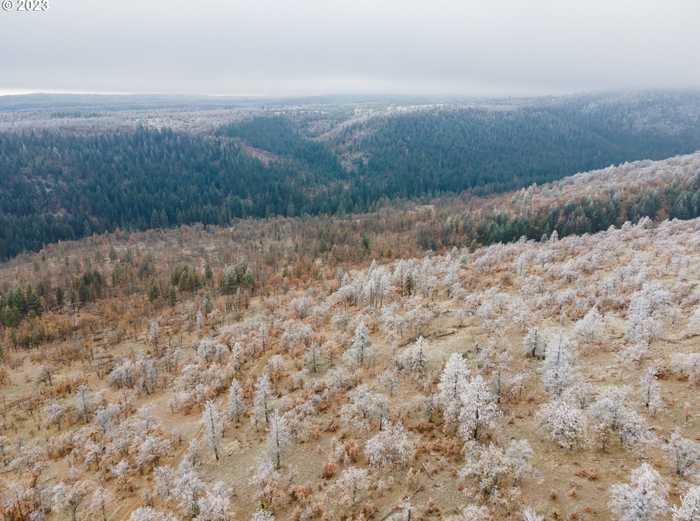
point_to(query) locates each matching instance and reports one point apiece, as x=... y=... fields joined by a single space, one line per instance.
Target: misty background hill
x=76 y=165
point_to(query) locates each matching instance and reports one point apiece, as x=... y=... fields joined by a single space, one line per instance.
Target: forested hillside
x=312 y=369
x=65 y=182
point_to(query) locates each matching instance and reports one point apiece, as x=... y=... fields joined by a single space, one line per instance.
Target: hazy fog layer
x=284 y=47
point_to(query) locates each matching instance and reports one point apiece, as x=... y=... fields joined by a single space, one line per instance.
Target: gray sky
x=300 y=47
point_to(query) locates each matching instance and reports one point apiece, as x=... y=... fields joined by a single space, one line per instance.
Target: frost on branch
x=688 y=365
x=534 y=343
x=643 y=499
x=559 y=369
x=352 y=486
x=54 y=414
x=683 y=453
x=234 y=406
x=213 y=427
x=68 y=497
x=278 y=438
x=689 y=509
x=650 y=391
x=492 y=468
x=591 y=327
x=83 y=402
x=364 y=409
x=390 y=448
x=360 y=353
x=563 y=423
x=479 y=409
x=647 y=310
x=453 y=382
x=261 y=402
x=610 y=414
x=101 y=497
x=215 y=505
x=412 y=359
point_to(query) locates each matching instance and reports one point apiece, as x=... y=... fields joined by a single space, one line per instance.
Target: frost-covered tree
x=275 y=366
x=479 y=409
x=120 y=471
x=364 y=408
x=650 y=391
x=689 y=509
x=123 y=375
x=100 y=498
x=611 y=414
x=164 y=478
x=390 y=448
x=146 y=375
x=684 y=454
x=213 y=427
x=518 y=457
x=261 y=401
x=296 y=334
x=153 y=332
x=559 y=369
x=45 y=373
x=234 y=406
x=55 y=413
x=150 y=449
x=68 y=497
x=360 y=351
x=193 y=455
x=643 y=499
x=580 y=395
x=188 y=488
x=209 y=350
x=634 y=353
x=352 y=484
x=413 y=358
x=106 y=416
x=278 y=438
x=648 y=307
x=215 y=505
x=453 y=382
x=313 y=357
x=489 y=467
x=83 y=402
x=687 y=364
x=301 y=306
x=499 y=364
x=237 y=357
x=266 y=480
x=390 y=380
x=590 y=328
x=563 y=423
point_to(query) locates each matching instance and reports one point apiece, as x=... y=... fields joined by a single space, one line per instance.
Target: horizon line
x=65 y=92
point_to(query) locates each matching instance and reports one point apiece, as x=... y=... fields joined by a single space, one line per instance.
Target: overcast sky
x=300 y=47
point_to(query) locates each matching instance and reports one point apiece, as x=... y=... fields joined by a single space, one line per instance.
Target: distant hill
x=72 y=168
